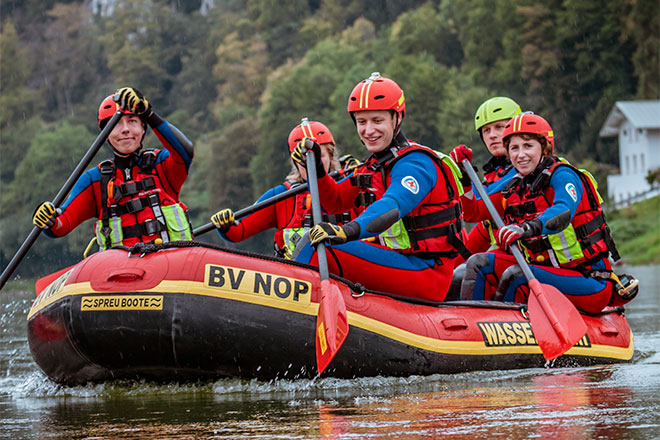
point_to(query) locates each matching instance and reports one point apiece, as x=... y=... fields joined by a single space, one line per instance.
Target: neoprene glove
x=44 y=216
x=224 y=219
x=348 y=162
x=458 y=155
x=507 y=235
x=134 y=101
x=298 y=155
x=327 y=232
x=334 y=234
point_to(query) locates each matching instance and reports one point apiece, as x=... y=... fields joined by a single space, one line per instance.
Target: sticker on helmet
x=570 y=189
x=410 y=184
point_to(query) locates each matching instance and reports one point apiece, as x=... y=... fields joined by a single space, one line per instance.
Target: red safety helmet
x=377 y=93
x=529 y=123
x=311 y=129
x=108 y=108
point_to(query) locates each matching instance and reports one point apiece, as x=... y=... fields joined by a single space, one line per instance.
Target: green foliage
x=238 y=79
x=52 y=155
x=636 y=230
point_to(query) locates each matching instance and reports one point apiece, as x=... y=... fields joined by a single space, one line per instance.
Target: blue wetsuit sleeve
x=568 y=191
x=279 y=189
x=412 y=178
x=267 y=195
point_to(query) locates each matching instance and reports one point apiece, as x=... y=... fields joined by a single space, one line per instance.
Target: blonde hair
x=294 y=174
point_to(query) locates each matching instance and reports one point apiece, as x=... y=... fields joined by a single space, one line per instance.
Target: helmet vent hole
x=353 y=98
x=379 y=97
x=497 y=110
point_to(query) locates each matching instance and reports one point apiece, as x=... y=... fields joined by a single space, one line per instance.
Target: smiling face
x=492 y=136
x=375 y=128
x=127 y=135
x=525 y=153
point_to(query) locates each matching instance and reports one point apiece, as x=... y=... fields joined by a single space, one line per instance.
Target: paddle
x=299 y=189
x=61 y=195
x=331 y=321
x=556 y=322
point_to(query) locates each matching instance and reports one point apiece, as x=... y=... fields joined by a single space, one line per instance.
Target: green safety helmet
x=495 y=109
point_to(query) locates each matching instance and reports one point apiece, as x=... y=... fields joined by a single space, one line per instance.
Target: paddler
x=408 y=236
x=554 y=211
x=135 y=194
x=291 y=217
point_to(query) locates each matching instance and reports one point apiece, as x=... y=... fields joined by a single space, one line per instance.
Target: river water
x=602 y=402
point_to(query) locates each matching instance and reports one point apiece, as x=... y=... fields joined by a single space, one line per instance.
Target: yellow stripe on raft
x=475 y=348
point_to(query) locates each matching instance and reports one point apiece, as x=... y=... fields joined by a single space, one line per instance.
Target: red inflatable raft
x=190 y=311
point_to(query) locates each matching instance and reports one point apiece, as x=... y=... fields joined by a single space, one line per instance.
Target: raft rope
x=357 y=289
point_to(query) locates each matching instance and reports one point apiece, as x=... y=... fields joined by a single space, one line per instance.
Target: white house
x=637 y=123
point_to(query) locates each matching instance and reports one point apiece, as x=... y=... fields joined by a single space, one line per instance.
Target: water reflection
x=604 y=402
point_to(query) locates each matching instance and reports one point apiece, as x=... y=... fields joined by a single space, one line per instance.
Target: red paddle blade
x=556 y=323
x=331 y=324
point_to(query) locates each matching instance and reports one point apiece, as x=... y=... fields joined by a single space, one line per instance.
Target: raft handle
x=454 y=324
x=609 y=330
x=126 y=275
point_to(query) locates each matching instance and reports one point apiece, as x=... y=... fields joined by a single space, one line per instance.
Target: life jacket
x=496 y=168
x=135 y=207
x=300 y=221
x=586 y=240
x=434 y=228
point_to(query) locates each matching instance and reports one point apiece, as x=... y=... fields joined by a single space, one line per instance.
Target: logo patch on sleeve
x=570 y=189
x=410 y=183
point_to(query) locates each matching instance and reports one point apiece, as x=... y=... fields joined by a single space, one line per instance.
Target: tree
x=50 y=159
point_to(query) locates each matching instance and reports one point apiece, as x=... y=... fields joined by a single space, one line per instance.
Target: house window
x=627 y=165
x=642 y=165
x=634 y=164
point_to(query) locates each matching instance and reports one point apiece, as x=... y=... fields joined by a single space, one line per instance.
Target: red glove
x=460 y=153
x=507 y=235
x=510 y=233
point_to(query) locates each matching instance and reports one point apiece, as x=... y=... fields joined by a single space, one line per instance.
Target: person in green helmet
x=489 y=120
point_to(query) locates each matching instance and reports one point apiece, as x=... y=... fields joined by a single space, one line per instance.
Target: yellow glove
x=327 y=232
x=298 y=155
x=348 y=162
x=44 y=216
x=132 y=100
x=224 y=219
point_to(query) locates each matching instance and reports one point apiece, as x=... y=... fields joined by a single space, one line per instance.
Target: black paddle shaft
x=61 y=195
x=317 y=217
x=299 y=189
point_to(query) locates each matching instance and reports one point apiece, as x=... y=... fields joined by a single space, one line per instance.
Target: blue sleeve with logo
x=568 y=193
x=411 y=179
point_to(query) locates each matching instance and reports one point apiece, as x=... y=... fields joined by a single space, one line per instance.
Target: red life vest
x=297 y=218
x=496 y=168
x=136 y=207
x=588 y=226
x=434 y=226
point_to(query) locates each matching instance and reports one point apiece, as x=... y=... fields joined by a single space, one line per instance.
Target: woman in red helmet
x=135 y=194
x=291 y=217
x=553 y=210
x=405 y=240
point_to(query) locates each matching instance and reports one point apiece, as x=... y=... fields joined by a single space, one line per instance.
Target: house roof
x=640 y=114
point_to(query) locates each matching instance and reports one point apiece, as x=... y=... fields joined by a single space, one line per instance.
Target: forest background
x=237 y=76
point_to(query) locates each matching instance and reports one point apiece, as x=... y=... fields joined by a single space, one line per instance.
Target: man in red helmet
x=554 y=211
x=135 y=194
x=291 y=217
x=408 y=235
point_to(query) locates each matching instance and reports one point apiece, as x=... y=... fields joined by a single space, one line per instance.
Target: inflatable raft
x=189 y=311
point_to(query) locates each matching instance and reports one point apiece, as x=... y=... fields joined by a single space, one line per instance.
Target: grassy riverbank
x=636 y=230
